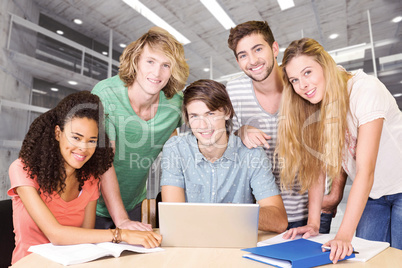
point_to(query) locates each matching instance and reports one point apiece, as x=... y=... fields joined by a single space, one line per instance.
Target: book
x=299 y=253
x=80 y=253
x=367 y=249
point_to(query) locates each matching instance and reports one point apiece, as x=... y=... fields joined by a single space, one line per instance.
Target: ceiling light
x=285 y=4
x=397 y=19
x=77 y=21
x=39 y=91
x=397 y=95
x=282 y=49
x=206 y=69
x=54 y=89
x=350 y=53
x=333 y=36
x=60 y=32
x=218 y=12
x=122 y=45
x=72 y=83
x=155 y=19
x=104 y=53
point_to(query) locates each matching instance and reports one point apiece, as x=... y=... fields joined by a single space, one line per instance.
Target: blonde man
x=142 y=110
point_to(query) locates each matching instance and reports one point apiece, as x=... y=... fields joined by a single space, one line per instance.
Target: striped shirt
x=249 y=112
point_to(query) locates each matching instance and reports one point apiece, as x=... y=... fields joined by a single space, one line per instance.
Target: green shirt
x=138 y=142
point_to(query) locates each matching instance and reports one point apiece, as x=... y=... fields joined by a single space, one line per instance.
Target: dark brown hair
x=40 y=151
x=213 y=94
x=248 y=28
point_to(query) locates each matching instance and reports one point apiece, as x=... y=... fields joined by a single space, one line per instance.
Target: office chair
x=149 y=211
x=7 y=242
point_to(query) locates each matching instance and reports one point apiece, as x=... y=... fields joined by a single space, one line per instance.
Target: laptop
x=207 y=225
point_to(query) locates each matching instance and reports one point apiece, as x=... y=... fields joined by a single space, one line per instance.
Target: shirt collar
x=229 y=154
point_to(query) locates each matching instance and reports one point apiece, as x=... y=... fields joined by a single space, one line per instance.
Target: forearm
x=68 y=235
x=369 y=135
x=272 y=219
x=331 y=201
x=111 y=194
x=315 y=198
x=357 y=200
x=272 y=214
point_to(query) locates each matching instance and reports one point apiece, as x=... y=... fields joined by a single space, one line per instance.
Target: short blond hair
x=156 y=38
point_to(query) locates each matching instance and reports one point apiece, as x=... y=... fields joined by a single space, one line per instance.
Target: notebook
x=208 y=225
x=299 y=253
x=367 y=249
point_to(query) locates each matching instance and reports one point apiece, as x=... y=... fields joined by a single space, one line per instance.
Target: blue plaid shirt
x=241 y=175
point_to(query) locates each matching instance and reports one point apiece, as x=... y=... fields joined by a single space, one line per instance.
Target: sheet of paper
x=72 y=254
x=270 y=261
x=118 y=248
x=80 y=253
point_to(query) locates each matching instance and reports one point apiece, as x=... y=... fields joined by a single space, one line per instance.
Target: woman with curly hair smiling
x=55 y=180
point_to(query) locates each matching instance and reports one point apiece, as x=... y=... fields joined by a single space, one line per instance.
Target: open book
x=367 y=249
x=74 y=254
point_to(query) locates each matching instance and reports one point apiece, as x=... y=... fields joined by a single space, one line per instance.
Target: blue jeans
x=296 y=224
x=382 y=220
x=325 y=223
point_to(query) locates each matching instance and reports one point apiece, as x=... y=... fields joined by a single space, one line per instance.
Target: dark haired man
x=256 y=97
x=211 y=165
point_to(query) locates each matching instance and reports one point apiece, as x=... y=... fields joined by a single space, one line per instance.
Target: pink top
x=27 y=233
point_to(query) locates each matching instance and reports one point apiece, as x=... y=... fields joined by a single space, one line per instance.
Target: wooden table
x=174 y=257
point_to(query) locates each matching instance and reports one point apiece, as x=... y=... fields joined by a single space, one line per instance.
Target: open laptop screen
x=208 y=225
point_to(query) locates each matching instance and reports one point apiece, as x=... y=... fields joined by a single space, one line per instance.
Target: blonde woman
x=335 y=121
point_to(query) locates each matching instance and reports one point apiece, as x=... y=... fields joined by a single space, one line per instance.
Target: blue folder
x=301 y=253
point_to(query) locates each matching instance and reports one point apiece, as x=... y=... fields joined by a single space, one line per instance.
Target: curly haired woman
x=55 y=180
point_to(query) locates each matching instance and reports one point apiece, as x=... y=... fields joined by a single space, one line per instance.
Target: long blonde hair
x=311 y=137
x=161 y=39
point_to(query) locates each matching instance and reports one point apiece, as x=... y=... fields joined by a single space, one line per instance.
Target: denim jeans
x=107 y=223
x=382 y=220
x=325 y=223
x=296 y=224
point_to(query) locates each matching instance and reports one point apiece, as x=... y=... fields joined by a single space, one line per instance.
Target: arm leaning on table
x=315 y=197
x=68 y=235
x=331 y=201
x=272 y=215
x=369 y=135
x=111 y=194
